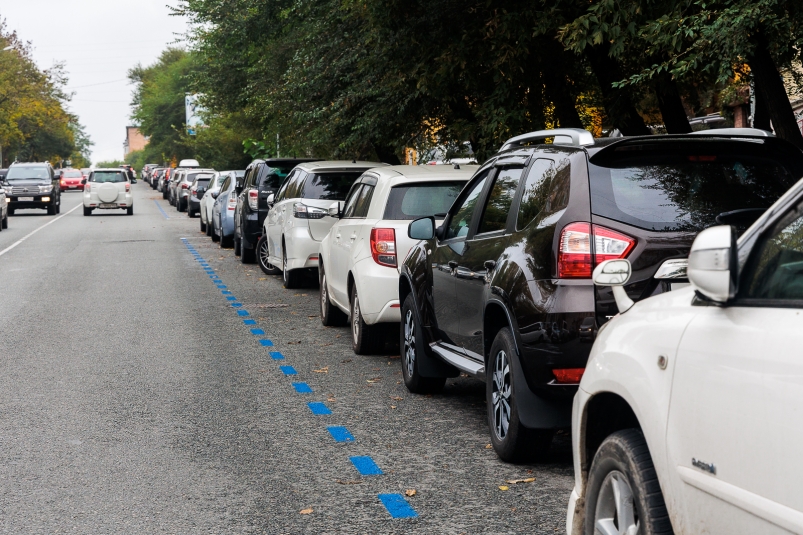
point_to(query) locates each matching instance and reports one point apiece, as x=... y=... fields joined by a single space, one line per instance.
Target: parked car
x=298 y=216
x=71 y=179
x=3 y=209
x=147 y=170
x=198 y=186
x=223 y=210
x=687 y=419
x=32 y=185
x=519 y=245
x=262 y=179
x=108 y=189
x=361 y=256
x=208 y=201
x=156 y=176
x=164 y=183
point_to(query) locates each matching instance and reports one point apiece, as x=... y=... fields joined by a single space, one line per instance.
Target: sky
x=99 y=41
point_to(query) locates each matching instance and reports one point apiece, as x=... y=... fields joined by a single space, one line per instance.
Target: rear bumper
x=123 y=201
x=72 y=187
x=302 y=250
x=378 y=288
x=251 y=230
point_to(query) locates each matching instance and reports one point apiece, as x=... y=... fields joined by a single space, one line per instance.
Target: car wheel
x=58 y=208
x=290 y=277
x=210 y=230
x=5 y=221
x=203 y=226
x=512 y=441
x=129 y=210
x=87 y=211
x=51 y=210
x=331 y=316
x=365 y=339
x=236 y=246
x=247 y=256
x=190 y=213
x=412 y=344
x=623 y=494
x=10 y=211
x=263 y=255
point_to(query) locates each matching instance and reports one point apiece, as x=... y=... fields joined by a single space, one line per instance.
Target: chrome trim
x=460 y=362
x=576 y=137
x=673 y=269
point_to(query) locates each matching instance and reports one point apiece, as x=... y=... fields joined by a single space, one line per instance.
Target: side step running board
x=461 y=362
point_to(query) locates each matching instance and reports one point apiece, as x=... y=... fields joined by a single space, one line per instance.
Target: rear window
x=412 y=201
x=329 y=186
x=276 y=176
x=200 y=176
x=672 y=190
x=109 y=176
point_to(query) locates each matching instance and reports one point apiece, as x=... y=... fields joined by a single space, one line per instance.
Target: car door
x=446 y=259
x=735 y=424
x=242 y=198
x=284 y=213
x=272 y=229
x=486 y=244
x=345 y=235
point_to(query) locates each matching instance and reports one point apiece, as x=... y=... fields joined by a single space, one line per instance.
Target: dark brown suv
x=502 y=290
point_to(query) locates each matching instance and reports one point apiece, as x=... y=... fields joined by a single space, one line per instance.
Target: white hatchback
x=108 y=189
x=360 y=257
x=689 y=418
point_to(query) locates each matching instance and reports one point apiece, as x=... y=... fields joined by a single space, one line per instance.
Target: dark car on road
x=502 y=290
x=262 y=179
x=198 y=186
x=32 y=185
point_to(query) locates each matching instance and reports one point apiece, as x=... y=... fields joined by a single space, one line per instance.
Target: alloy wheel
x=409 y=343
x=355 y=319
x=324 y=295
x=501 y=394
x=284 y=267
x=264 y=255
x=616 y=508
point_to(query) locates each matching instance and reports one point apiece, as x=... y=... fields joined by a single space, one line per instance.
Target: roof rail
x=754 y=132
x=575 y=137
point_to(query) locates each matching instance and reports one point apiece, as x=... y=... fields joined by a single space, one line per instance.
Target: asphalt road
x=134 y=399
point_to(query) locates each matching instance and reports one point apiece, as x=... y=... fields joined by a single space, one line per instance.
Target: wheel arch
x=603 y=414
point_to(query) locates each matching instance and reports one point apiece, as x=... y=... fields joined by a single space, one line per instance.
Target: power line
x=99 y=83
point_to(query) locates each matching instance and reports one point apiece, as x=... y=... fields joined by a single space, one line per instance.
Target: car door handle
x=353 y=236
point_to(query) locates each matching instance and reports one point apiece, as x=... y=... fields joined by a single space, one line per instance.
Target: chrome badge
x=702 y=465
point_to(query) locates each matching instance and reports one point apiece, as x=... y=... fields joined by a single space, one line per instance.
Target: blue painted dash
x=340 y=433
x=275 y=355
x=226 y=292
x=236 y=305
x=243 y=313
x=214 y=277
x=250 y=322
x=397 y=506
x=319 y=408
x=266 y=343
x=288 y=370
x=222 y=286
x=257 y=332
x=365 y=465
x=302 y=388
x=230 y=298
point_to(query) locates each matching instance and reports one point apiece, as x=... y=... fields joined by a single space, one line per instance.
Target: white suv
x=299 y=217
x=108 y=189
x=360 y=257
x=689 y=417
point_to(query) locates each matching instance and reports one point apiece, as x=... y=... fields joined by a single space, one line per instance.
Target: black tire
x=512 y=441
x=10 y=211
x=87 y=211
x=412 y=343
x=262 y=253
x=190 y=213
x=236 y=245
x=164 y=193
x=180 y=205
x=216 y=238
x=290 y=277
x=331 y=316
x=129 y=210
x=623 y=460
x=58 y=207
x=5 y=221
x=51 y=209
x=210 y=229
x=365 y=339
x=203 y=226
x=247 y=256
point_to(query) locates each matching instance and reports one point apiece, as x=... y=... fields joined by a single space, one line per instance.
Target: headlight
x=46 y=189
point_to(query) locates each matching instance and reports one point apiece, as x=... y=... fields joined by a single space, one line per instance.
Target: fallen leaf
x=304 y=295
x=294 y=313
x=306 y=511
x=409 y=493
x=331 y=399
x=325 y=369
x=504 y=487
x=338 y=336
x=263 y=278
x=312 y=316
x=396 y=398
x=516 y=481
x=488 y=446
x=393 y=406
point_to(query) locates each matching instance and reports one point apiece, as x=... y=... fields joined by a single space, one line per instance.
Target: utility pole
x=277 y=145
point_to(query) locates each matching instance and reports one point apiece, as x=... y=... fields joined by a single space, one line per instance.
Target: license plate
x=25 y=198
x=72 y=187
x=108 y=205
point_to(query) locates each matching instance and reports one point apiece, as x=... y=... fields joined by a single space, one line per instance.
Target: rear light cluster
x=232 y=204
x=184 y=185
x=383 y=246
x=253 y=199
x=194 y=192
x=302 y=211
x=569 y=376
x=575 y=257
x=127 y=188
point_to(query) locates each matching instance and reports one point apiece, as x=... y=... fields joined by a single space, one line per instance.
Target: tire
x=164 y=194
x=5 y=222
x=412 y=343
x=290 y=277
x=215 y=237
x=262 y=253
x=512 y=441
x=331 y=316
x=236 y=246
x=365 y=339
x=87 y=211
x=226 y=242
x=181 y=206
x=129 y=210
x=210 y=229
x=623 y=472
x=51 y=210
x=58 y=207
x=11 y=211
x=247 y=256
x=203 y=226
x=190 y=213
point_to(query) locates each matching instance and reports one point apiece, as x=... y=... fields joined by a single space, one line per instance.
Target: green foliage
x=109 y=164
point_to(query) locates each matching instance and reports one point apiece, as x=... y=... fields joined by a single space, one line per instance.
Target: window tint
x=351 y=199
x=497 y=208
x=274 y=176
x=461 y=219
x=200 y=176
x=363 y=201
x=109 y=176
x=226 y=184
x=420 y=200
x=329 y=186
x=546 y=191
x=293 y=190
x=777 y=270
x=280 y=193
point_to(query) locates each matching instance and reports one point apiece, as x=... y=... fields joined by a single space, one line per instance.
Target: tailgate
x=403 y=242
x=319 y=228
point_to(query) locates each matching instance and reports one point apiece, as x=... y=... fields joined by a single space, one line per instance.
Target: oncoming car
x=108 y=189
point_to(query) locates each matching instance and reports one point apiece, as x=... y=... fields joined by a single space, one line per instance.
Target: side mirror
x=214 y=194
x=83 y=181
x=270 y=200
x=422 y=229
x=615 y=273
x=713 y=264
x=334 y=210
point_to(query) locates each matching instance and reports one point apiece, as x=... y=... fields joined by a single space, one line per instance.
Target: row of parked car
x=684 y=408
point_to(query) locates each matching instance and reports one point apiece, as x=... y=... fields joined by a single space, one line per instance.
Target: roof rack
x=575 y=137
x=754 y=132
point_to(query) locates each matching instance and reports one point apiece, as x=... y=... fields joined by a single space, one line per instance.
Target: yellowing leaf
x=504 y=487
x=325 y=369
x=409 y=492
x=306 y=511
x=488 y=446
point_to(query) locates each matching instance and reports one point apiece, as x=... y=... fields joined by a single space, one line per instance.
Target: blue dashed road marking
x=250 y=322
x=340 y=433
x=302 y=388
x=288 y=370
x=243 y=313
x=257 y=332
x=266 y=343
x=319 y=408
x=236 y=305
x=366 y=466
x=222 y=286
x=226 y=292
x=231 y=298
x=275 y=355
x=397 y=506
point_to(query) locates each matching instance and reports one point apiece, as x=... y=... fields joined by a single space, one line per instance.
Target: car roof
x=419 y=173
x=337 y=165
x=115 y=169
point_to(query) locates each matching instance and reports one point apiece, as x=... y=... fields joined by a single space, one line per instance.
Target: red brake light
x=568 y=375
x=127 y=188
x=383 y=246
x=574 y=252
x=184 y=185
x=195 y=192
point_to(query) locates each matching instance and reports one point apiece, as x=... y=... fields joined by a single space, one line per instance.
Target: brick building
x=134 y=140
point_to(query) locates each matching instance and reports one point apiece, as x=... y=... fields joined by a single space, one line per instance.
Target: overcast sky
x=99 y=40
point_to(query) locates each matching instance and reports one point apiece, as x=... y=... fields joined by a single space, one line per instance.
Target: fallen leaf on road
x=338 y=336
x=306 y=511
x=312 y=316
x=488 y=446
x=396 y=398
x=516 y=481
x=409 y=492
x=294 y=313
x=393 y=406
x=504 y=487
x=263 y=278
x=345 y=361
x=325 y=369
x=331 y=399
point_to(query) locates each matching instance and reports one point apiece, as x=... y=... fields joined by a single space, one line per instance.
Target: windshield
x=329 y=186
x=108 y=176
x=23 y=172
x=72 y=174
x=421 y=200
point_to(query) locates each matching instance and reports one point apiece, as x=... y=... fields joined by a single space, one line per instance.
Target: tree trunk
x=671 y=106
x=618 y=102
x=761 y=115
x=558 y=87
x=386 y=154
x=770 y=89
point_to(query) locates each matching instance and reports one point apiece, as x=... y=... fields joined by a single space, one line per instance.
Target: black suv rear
x=262 y=179
x=32 y=185
x=503 y=290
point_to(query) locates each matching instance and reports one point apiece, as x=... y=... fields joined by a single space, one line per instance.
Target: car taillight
x=184 y=185
x=127 y=188
x=383 y=246
x=568 y=375
x=194 y=192
x=575 y=260
x=87 y=188
x=253 y=199
x=232 y=203
x=302 y=211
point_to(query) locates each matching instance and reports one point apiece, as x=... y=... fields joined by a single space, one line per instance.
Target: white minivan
x=360 y=257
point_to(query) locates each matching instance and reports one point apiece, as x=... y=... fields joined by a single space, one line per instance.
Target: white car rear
x=108 y=189
x=361 y=255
